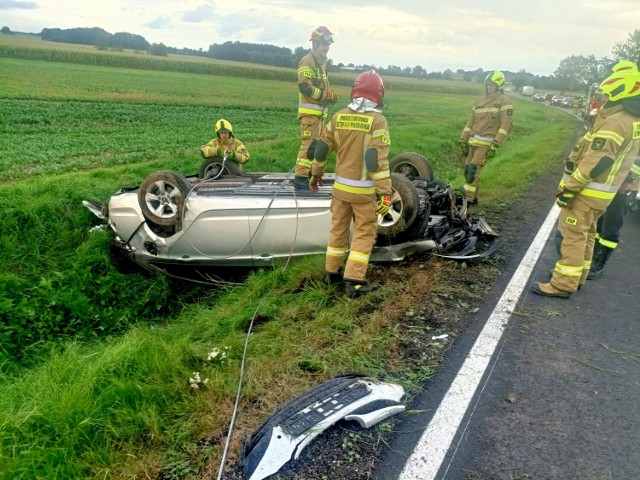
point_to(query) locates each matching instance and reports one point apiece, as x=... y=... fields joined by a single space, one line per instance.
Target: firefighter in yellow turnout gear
x=362 y=189
x=225 y=143
x=594 y=172
x=485 y=131
x=315 y=96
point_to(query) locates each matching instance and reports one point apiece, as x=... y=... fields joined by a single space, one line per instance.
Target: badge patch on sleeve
x=510 y=112
x=598 y=143
x=571 y=221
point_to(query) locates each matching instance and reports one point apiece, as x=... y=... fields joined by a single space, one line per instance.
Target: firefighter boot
x=333 y=278
x=301 y=183
x=548 y=290
x=355 y=289
x=600 y=256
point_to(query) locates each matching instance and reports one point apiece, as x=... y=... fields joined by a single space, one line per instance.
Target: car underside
x=187 y=227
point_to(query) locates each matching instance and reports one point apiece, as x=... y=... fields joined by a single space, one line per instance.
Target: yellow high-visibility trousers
x=310 y=130
x=365 y=229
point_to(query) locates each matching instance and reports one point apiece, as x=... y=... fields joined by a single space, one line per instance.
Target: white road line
x=429 y=454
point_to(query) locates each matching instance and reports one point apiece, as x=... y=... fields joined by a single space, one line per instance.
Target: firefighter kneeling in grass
x=486 y=129
x=594 y=173
x=225 y=144
x=362 y=187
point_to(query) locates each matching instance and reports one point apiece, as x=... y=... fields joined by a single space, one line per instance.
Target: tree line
x=575 y=72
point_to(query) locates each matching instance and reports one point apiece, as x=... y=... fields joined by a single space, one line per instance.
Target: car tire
x=211 y=167
x=162 y=196
x=412 y=165
x=404 y=208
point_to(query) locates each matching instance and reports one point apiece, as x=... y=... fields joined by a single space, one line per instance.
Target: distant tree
x=298 y=53
x=576 y=71
x=128 y=40
x=629 y=49
x=159 y=49
x=6 y=31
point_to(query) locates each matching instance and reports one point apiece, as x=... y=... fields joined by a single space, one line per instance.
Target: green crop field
x=95 y=363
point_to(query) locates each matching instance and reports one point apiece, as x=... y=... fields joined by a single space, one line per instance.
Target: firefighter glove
x=384 y=204
x=220 y=152
x=331 y=97
x=464 y=147
x=563 y=198
x=230 y=154
x=492 y=151
x=315 y=181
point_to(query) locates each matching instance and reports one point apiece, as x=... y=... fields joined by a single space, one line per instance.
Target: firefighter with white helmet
x=225 y=143
x=599 y=167
x=362 y=188
x=315 y=96
x=486 y=129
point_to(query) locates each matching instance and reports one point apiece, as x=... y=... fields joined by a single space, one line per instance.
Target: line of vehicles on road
x=587 y=107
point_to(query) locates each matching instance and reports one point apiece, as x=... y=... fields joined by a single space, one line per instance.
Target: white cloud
x=200 y=14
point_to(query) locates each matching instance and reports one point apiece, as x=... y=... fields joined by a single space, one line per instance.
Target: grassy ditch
x=96 y=364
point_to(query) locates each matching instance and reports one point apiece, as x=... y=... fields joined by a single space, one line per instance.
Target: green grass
x=95 y=364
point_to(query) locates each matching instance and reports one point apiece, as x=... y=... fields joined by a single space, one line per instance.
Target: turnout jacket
x=490 y=120
x=350 y=134
x=216 y=148
x=313 y=84
x=604 y=157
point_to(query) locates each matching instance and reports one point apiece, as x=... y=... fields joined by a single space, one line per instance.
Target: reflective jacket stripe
x=355 y=183
x=358 y=190
x=607 y=134
x=502 y=131
x=487 y=110
x=482 y=143
x=506 y=107
x=304 y=162
x=381 y=175
x=312 y=109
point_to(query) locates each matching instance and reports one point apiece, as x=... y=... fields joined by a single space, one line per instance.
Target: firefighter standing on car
x=315 y=96
x=225 y=145
x=593 y=175
x=362 y=189
x=485 y=131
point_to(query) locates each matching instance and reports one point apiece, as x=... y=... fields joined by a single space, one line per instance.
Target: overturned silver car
x=183 y=226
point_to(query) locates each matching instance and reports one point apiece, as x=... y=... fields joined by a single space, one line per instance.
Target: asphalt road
x=561 y=396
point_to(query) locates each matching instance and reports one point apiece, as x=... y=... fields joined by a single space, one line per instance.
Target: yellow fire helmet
x=496 y=77
x=223 y=125
x=621 y=85
x=624 y=66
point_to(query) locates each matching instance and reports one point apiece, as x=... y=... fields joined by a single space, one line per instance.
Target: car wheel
x=215 y=167
x=411 y=165
x=404 y=207
x=161 y=198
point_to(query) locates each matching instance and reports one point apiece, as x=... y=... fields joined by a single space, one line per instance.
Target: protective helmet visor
x=326 y=38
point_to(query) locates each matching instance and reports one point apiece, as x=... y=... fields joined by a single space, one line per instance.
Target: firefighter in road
x=593 y=175
x=485 y=131
x=315 y=96
x=362 y=187
x=225 y=143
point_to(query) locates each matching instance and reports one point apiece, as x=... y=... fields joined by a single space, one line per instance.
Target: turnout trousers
x=611 y=221
x=473 y=164
x=365 y=229
x=310 y=131
x=577 y=225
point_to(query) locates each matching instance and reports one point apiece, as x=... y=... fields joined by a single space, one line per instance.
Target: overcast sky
x=510 y=35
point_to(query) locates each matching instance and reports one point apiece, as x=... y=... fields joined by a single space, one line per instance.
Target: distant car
x=183 y=225
x=556 y=100
x=527 y=91
x=548 y=97
x=567 y=102
x=539 y=97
